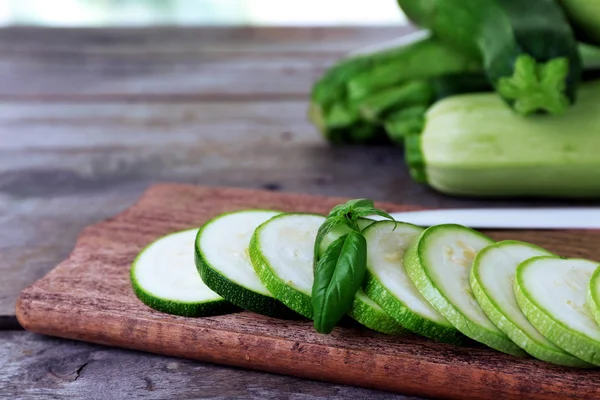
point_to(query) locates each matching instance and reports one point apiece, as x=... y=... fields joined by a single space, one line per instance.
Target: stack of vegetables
x=490 y=98
x=448 y=283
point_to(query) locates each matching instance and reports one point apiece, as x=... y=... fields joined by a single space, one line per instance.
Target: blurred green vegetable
x=584 y=16
x=527 y=48
x=350 y=100
x=384 y=114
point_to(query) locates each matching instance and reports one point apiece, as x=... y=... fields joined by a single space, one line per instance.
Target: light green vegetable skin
x=439 y=264
x=476 y=146
x=388 y=284
x=492 y=277
x=593 y=295
x=164 y=277
x=222 y=258
x=551 y=292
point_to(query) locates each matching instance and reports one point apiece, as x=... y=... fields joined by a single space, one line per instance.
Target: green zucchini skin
x=374 y=318
x=288 y=295
x=182 y=309
x=533 y=63
x=575 y=341
x=161 y=302
x=410 y=321
x=593 y=295
x=242 y=297
x=418 y=268
x=234 y=293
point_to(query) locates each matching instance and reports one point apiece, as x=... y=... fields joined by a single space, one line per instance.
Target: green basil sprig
x=339 y=272
x=348 y=215
x=339 y=275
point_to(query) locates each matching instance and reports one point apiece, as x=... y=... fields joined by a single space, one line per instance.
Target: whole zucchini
x=528 y=48
x=472 y=144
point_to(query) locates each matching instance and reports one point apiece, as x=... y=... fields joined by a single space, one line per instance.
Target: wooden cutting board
x=88 y=297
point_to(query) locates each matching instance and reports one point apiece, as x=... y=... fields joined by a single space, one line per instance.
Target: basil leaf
x=338 y=276
x=326 y=227
x=359 y=203
x=346 y=209
x=339 y=210
x=374 y=211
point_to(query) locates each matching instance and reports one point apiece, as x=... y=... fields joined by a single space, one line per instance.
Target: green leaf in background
x=338 y=276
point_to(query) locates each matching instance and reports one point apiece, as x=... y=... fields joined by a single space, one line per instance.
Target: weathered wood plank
x=195 y=63
x=36 y=366
x=190 y=39
x=42 y=76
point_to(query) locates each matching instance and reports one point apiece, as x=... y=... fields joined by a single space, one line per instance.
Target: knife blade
x=506 y=218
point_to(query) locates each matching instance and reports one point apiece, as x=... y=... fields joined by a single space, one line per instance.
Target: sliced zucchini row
x=492 y=281
x=389 y=286
x=551 y=292
x=282 y=252
x=164 y=277
x=223 y=260
x=439 y=264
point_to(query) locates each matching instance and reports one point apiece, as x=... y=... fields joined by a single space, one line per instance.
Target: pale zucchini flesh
x=593 y=295
x=388 y=284
x=439 y=265
x=223 y=260
x=492 y=280
x=164 y=277
x=551 y=292
x=282 y=251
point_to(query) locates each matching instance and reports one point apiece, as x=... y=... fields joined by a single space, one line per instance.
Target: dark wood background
x=89 y=118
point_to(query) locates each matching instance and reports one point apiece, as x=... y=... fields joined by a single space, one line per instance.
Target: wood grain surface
x=42 y=367
x=88 y=297
x=169 y=64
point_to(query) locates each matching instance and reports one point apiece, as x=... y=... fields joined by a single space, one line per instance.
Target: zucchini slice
x=164 y=277
x=551 y=292
x=492 y=281
x=223 y=260
x=368 y=313
x=389 y=286
x=593 y=295
x=282 y=252
x=439 y=264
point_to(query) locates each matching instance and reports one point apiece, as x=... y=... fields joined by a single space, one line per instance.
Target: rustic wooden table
x=90 y=118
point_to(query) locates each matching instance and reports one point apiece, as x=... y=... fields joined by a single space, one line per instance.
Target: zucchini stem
x=536 y=86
